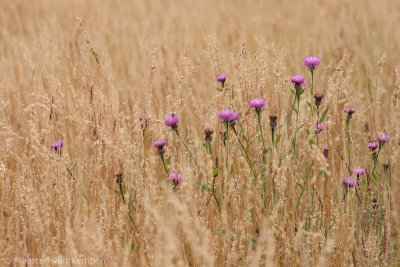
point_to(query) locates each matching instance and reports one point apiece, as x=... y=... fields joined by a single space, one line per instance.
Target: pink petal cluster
x=57 y=145
x=222 y=79
x=172 y=121
x=320 y=127
x=227 y=115
x=257 y=104
x=298 y=80
x=348 y=182
x=311 y=62
x=358 y=171
x=175 y=177
x=159 y=143
x=372 y=145
x=382 y=138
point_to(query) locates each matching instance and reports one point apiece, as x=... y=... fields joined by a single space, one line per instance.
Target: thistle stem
x=165 y=166
x=122 y=192
x=262 y=136
x=348 y=142
x=375 y=158
x=187 y=149
x=247 y=155
x=213 y=191
x=291 y=110
x=272 y=135
x=312 y=86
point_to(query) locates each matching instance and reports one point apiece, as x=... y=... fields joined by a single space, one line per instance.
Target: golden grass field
x=83 y=72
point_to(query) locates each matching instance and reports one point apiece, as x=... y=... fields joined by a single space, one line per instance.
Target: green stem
x=209 y=149
x=376 y=159
x=165 y=166
x=187 y=149
x=348 y=142
x=298 y=106
x=247 y=155
x=317 y=124
x=82 y=191
x=291 y=110
x=297 y=118
x=215 y=197
x=122 y=192
x=312 y=86
x=262 y=136
x=272 y=134
x=226 y=159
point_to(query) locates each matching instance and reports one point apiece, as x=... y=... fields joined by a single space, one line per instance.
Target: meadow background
x=85 y=71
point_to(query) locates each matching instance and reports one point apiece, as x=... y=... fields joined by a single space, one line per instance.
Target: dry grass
x=85 y=71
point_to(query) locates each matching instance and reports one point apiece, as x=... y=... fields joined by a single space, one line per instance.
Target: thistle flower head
x=311 y=62
x=320 y=127
x=208 y=135
x=382 y=139
x=273 y=121
x=57 y=145
x=222 y=79
x=349 y=112
x=326 y=151
x=223 y=135
x=318 y=99
x=347 y=183
x=119 y=178
x=358 y=171
x=172 y=121
x=298 y=80
x=176 y=178
x=143 y=120
x=257 y=104
x=160 y=144
x=228 y=115
x=372 y=145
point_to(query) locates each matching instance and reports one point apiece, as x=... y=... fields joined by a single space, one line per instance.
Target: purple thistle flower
x=227 y=115
x=176 y=178
x=235 y=117
x=349 y=112
x=159 y=143
x=143 y=120
x=372 y=145
x=222 y=79
x=298 y=80
x=320 y=127
x=311 y=62
x=172 y=121
x=56 y=146
x=257 y=104
x=382 y=139
x=358 y=171
x=347 y=183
